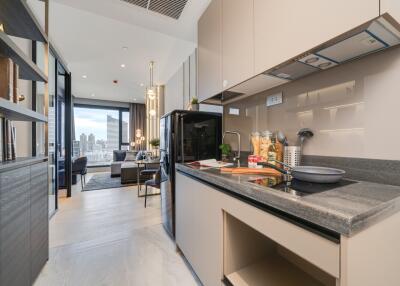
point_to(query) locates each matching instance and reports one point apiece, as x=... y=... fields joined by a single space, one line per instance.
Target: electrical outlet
x=275 y=99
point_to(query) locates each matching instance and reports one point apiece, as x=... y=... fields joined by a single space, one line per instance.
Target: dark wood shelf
x=19 y=21
x=28 y=69
x=18 y=112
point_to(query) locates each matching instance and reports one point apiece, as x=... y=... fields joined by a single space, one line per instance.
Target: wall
x=353 y=109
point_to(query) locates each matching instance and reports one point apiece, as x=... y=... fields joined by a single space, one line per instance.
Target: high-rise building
x=91 y=142
x=76 y=148
x=83 y=143
x=112 y=133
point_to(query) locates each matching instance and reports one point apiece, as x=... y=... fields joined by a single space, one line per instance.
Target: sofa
x=118 y=159
x=127 y=159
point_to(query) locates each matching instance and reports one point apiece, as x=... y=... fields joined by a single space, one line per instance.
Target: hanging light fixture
x=151 y=90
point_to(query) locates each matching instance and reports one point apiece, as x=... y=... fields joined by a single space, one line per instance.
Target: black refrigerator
x=185 y=136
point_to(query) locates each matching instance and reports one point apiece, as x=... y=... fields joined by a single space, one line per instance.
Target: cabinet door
x=209 y=51
x=392 y=7
x=286 y=28
x=39 y=222
x=14 y=228
x=237 y=41
x=199 y=228
x=174 y=92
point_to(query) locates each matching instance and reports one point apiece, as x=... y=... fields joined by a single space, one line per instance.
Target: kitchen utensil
x=252 y=171
x=303 y=134
x=292 y=156
x=282 y=138
x=310 y=174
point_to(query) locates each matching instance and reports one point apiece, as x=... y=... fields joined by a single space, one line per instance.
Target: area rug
x=104 y=181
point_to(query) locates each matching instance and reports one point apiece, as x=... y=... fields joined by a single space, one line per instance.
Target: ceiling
x=91 y=35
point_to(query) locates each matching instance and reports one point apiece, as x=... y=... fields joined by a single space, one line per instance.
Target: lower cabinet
x=199 y=229
x=224 y=238
x=23 y=224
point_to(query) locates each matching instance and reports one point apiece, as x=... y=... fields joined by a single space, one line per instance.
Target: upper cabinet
x=286 y=28
x=210 y=51
x=237 y=41
x=392 y=7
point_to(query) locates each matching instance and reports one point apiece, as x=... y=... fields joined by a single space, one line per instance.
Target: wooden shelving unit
x=18 y=112
x=19 y=21
x=28 y=69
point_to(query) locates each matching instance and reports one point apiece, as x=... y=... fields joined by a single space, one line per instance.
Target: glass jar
x=255 y=142
x=265 y=142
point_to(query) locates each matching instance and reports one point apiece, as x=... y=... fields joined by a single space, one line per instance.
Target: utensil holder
x=292 y=156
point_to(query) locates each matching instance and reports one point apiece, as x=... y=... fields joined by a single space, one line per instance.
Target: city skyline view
x=97 y=137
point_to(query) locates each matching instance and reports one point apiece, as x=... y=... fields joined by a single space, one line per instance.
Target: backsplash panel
x=353 y=109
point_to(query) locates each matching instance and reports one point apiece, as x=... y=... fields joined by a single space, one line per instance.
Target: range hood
x=376 y=35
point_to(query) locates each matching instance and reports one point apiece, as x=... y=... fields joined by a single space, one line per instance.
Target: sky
x=90 y=120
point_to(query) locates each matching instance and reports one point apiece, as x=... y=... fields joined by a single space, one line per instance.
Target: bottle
x=272 y=152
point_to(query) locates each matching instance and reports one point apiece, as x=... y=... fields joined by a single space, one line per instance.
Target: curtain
x=137 y=114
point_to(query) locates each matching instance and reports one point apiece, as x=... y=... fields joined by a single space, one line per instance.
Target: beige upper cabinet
x=237 y=41
x=392 y=7
x=209 y=51
x=286 y=28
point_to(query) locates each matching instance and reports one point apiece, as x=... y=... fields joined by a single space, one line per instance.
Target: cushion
x=131 y=155
x=119 y=155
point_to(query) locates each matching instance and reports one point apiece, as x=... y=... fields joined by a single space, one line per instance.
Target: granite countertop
x=344 y=210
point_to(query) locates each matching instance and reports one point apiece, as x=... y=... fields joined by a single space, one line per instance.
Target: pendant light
x=151 y=91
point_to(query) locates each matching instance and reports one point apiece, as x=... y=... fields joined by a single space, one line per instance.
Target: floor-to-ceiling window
x=99 y=131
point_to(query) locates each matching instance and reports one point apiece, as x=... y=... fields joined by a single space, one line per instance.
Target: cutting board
x=252 y=171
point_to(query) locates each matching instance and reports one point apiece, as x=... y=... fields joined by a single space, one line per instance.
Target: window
x=98 y=132
x=125 y=131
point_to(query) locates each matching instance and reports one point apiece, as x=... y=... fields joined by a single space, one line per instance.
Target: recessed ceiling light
x=123 y=66
x=93 y=95
x=125 y=48
x=84 y=76
x=134 y=99
x=142 y=84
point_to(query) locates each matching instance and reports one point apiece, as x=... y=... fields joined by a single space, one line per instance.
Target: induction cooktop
x=296 y=187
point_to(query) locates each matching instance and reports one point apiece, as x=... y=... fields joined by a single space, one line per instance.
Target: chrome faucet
x=237 y=157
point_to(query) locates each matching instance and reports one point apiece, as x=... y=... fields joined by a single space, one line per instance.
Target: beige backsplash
x=354 y=110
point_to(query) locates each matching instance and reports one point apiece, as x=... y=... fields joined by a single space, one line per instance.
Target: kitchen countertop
x=344 y=210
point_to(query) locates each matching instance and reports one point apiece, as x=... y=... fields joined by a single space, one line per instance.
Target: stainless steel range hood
x=376 y=35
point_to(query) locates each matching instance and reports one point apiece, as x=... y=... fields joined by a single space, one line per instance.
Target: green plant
x=155 y=142
x=195 y=100
x=225 y=149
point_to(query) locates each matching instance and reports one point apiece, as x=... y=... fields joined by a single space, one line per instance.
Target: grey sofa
x=118 y=159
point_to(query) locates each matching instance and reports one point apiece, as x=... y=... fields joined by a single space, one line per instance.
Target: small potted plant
x=225 y=150
x=194 y=104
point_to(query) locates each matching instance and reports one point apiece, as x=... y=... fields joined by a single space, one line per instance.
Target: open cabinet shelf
x=17 y=112
x=19 y=21
x=272 y=271
x=28 y=69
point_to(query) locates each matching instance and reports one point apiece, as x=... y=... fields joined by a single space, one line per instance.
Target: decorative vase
x=195 y=107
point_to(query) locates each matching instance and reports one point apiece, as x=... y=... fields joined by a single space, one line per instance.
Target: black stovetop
x=297 y=187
